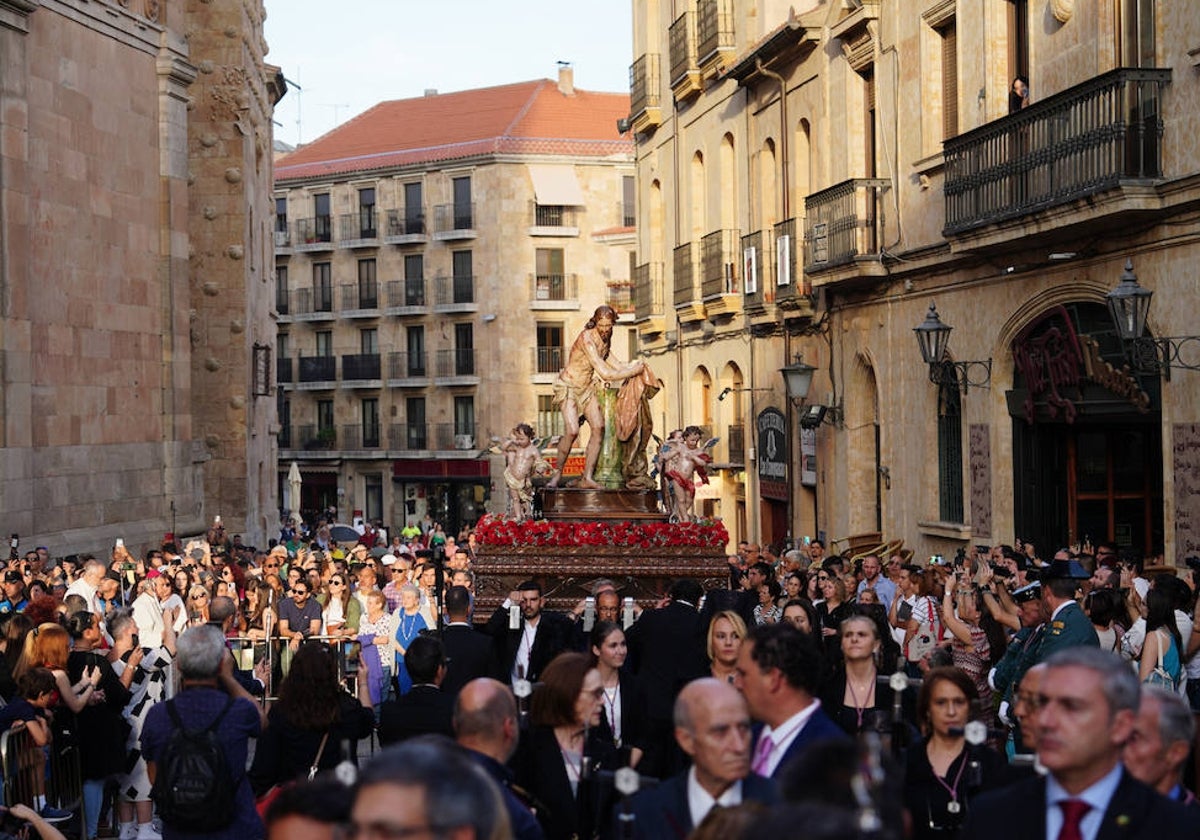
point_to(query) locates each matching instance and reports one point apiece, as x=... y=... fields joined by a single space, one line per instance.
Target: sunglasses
x=199 y=597
x=299 y=591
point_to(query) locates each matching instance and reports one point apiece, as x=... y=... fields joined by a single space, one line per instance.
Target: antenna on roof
x=562 y=63
x=336 y=108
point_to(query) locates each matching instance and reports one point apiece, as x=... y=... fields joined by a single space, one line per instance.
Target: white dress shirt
x=782 y=737
x=1098 y=796
x=700 y=802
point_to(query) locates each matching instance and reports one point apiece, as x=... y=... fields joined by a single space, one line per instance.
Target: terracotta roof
x=524 y=118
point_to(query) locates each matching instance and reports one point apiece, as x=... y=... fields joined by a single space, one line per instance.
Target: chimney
x=566 y=79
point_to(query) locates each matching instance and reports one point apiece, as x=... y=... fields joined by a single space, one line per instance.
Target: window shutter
x=949 y=82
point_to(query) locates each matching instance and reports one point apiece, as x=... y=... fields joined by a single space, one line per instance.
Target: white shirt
x=528 y=637
x=782 y=737
x=1098 y=796
x=181 y=616
x=147 y=615
x=700 y=802
x=85 y=589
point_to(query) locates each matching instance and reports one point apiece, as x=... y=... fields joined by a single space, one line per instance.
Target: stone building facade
x=878 y=139
x=434 y=257
x=97 y=172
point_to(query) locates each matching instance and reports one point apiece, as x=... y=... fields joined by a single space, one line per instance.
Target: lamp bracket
x=1160 y=355
x=969 y=374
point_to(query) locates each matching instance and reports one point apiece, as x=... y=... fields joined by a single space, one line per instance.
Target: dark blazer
x=284 y=752
x=1135 y=812
x=469 y=655
x=632 y=703
x=820 y=727
x=539 y=769
x=554 y=635
x=662 y=812
x=424 y=710
x=524 y=824
x=666 y=647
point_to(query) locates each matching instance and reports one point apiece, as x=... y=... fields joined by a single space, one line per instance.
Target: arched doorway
x=1087 y=436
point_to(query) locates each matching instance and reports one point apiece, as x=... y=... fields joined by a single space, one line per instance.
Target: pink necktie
x=1073 y=813
x=762 y=755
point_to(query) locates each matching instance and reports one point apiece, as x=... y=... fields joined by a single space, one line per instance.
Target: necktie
x=762 y=755
x=1073 y=811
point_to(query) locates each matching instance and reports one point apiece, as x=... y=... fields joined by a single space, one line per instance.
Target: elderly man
x=1162 y=737
x=427 y=787
x=486 y=724
x=88 y=583
x=712 y=725
x=209 y=697
x=1087 y=712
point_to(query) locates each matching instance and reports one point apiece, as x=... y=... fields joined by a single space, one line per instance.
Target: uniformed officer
x=1021 y=653
x=1066 y=626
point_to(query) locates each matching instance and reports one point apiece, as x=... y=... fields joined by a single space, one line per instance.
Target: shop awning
x=556 y=185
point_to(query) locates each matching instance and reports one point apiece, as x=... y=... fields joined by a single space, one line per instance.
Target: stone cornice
x=14 y=14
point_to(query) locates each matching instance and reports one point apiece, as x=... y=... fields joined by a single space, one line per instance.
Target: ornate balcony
x=843 y=222
x=1104 y=134
x=720 y=284
x=715 y=41
x=685 y=70
x=645 y=107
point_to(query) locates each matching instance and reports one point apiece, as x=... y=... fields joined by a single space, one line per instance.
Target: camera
x=1001 y=571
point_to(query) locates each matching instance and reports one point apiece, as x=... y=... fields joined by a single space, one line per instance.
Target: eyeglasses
x=299 y=592
x=199 y=597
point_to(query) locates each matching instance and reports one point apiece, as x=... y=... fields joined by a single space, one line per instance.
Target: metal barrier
x=275 y=656
x=26 y=775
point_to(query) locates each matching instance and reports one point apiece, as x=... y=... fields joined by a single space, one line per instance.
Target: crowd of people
x=823 y=695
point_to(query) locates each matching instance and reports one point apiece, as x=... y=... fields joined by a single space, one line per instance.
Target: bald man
x=712 y=725
x=486 y=724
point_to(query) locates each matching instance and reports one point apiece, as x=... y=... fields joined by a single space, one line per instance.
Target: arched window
x=949 y=431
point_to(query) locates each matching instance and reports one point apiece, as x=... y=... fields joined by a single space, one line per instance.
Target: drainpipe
x=783 y=133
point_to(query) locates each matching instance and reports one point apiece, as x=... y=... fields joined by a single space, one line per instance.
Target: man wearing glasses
x=299 y=618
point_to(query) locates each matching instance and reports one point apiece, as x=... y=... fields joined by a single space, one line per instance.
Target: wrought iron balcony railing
x=283 y=370
x=312 y=437
x=409 y=222
x=644 y=83
x=758 y=262
x=687 y=267
x=647 y=290
x=314 y=231
x=620 y=296
x=547 y=359
x=714 y=28
x=406 y=366
x=843 y=222
x=312 y=301
x=1085 y=140
x=360 y=367
x=457 y=289
x=409 y=292
x=682 y=38
x=719 y=259
x=281 y=300
x=359 y=437
x=459 y=361
x=785 y=262
x=355 y=227
x=454 y=217
x=554 y=216
x=460 y=436
x=359 y=296
x=408 y=436
x=554 y=287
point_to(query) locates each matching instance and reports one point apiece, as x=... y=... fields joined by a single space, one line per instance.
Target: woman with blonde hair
x=726 y=632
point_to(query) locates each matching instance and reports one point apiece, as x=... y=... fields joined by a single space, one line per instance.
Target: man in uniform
x=1021 y=653
x=1066 y=625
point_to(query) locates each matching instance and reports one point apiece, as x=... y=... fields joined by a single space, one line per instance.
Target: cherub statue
x=523 y=459
x=683 y=458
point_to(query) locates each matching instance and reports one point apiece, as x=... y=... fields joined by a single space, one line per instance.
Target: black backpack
x=193 y=787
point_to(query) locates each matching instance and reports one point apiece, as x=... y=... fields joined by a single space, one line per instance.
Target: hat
x=1065 y=570
x=389 y=559
x=152 y=574
x=278 y=551
x=1029 y=592
x=13 y=576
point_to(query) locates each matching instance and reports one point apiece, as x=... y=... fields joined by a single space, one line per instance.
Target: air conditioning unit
x=464 y=441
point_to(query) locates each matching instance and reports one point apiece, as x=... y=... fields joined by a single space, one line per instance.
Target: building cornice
x=14 y=14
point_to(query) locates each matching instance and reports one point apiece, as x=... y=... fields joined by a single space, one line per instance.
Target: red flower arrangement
x=498 y=531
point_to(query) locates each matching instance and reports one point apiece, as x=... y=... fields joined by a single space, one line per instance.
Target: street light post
x=797 y=380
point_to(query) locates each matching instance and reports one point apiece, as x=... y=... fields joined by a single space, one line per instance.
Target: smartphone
x=15 y=541
x=120 y=543
x=983 y=549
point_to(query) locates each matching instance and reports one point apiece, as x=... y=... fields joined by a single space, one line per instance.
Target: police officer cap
x=1030 y=592
x=1065 y=569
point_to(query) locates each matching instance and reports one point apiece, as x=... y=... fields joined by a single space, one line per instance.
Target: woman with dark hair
x=962 y=610
x=853 y=695
x=564 y=748
x=801 y=614
x=765 y=611
x=794 y=584
x=100 y=726
x=623 y=702
x=1102 y=607
x=311 y=721
x=12 y=640
x=1161 y=662
x=945 y=772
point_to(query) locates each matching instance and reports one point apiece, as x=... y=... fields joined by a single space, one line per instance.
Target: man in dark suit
x=778 y=669
x=425 y=709
x=1088 y=705
x=468 y=651
x=542 y=635
x=666 y=652
x=1162 y=740
x=712 y=725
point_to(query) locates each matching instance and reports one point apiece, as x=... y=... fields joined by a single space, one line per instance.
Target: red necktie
x=1073 y=811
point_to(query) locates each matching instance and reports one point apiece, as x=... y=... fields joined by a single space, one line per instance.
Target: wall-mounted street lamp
x=1129 y=305
x=729 y=389
x=933 y=337
x=797 y=379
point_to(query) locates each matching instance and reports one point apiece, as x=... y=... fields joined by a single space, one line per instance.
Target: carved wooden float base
x=572 y=504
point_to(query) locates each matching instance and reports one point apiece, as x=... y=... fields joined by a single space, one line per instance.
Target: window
x=628 y=201
x=464 y=283
x=324 y=343
x=416 y=351
x=949 y=431
x=549 y=215
x=281 y=289
x=366 y=213
x=322 y=288
x=949 y=40
x=463 y=216
x=370 y=423
x=550 y=283
x=414 y=412
x=283 y=345
x=281 y=217
x=322 y=225
x=464 y=421
x=414 y=280
x=464 y=350
x=549 y=418
x=368 y=340
x=324 y=418
x=414 y=209
x=549 y=348
x=284 y=407
x=368 y=288
x=373 y=496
